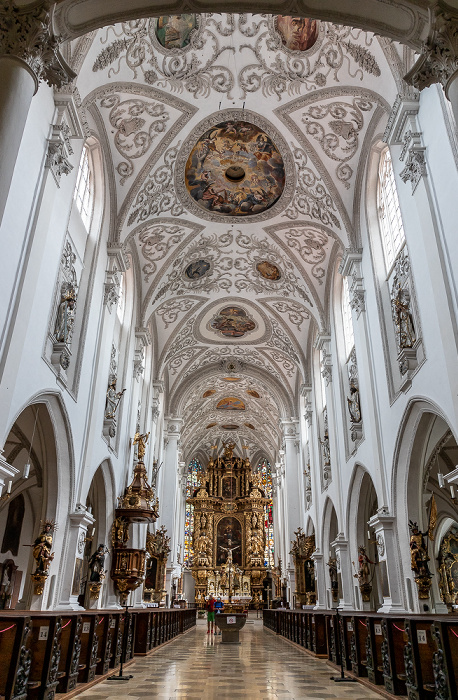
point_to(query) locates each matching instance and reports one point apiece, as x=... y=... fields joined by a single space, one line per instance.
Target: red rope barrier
x=362 y=623
x=66 y=624
x=398 y=628
x=8 y=628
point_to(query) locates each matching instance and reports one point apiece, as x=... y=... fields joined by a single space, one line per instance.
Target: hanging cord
x=33 y=434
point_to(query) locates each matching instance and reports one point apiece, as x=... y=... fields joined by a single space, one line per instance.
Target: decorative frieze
x=59 y=149
x=351 y=267
x=403 y=130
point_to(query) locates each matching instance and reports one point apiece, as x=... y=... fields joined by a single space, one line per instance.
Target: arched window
x=265 y=470
x=349 y=337
x=84 y=190
x=389 y=213
x=194 y=469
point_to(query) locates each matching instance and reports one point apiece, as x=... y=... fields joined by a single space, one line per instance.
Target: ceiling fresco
x=235 y=147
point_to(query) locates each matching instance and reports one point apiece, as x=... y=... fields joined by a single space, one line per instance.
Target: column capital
x=439 y=61
x=26 y=34
x=173 y=426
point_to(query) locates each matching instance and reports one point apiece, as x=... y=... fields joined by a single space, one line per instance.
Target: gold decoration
x=302 y=549
x=39 y=581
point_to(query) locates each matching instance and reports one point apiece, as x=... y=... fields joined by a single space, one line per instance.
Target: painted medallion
x=232 y=322
x=197 y=269
x=211 y=425
x=253 y=393
x=230 y=426
x=235 y=169
x=231 y=403
x=208 y=393
x=268 y=270
x=231 y=379
x=250 y=425
x=173 y=31
x=297 y=33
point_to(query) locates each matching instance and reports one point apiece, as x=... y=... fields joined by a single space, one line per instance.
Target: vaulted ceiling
x=234 y=288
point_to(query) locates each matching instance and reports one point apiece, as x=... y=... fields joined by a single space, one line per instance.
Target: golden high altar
x=229 y=535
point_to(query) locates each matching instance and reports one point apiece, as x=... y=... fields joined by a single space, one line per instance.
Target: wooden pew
x=418 y=659
x=445 y=659
x=89 y=648
x=70 y=644
x=358 y=646
x=15 y=651
x=45 y=644
x=319 y=642
x=374 y=642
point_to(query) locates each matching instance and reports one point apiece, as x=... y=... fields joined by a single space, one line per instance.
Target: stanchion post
x=339 y=634
x=121 y=676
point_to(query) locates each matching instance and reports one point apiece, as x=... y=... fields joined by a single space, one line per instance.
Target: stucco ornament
x=27 y=34
x=193 y=68
x=439 y=60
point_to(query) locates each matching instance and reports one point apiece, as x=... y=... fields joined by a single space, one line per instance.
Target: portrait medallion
x=253 y=393
x=173 y=31
x=197 y=269
x=268 y=270
x=297 y=33
x=208 y=393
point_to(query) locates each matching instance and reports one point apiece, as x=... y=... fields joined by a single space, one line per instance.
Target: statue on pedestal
x=65 y=314
x=96 y=564
x=42 y=548
x=112 y=400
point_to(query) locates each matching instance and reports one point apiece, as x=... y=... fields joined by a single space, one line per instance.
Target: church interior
x=228 y=349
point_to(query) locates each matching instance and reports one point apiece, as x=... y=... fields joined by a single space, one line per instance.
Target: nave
x=196 y=666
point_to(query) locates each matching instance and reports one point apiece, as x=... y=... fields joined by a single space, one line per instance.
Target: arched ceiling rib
x=234 y=295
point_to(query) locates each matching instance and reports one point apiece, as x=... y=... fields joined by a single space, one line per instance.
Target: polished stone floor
x=198 y=667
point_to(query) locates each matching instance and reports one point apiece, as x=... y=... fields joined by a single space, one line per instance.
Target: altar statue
x=42 y=548
x=96 y=564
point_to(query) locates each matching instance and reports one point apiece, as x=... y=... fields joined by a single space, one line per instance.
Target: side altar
x=229 y=535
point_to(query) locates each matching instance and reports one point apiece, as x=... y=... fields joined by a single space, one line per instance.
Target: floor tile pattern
x=197 y=667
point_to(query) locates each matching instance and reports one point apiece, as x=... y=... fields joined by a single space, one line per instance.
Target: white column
x=169 y=490
x=293 y=510
x=80 y=521
x=344 y=565
x=28 y=54
x=320 y=578
x=18 y=85
x=390 y=574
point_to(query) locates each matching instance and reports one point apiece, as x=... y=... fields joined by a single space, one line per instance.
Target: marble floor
x=196 y=666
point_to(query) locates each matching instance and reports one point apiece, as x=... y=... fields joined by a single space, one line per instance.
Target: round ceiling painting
x=297 y=33
x=173 y=31
x=235 y=169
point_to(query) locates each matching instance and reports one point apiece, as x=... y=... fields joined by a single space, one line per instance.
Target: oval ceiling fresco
x=173 y=31
x=232 y=322
x=231 y=403
x=235 y=169
x=297 y=33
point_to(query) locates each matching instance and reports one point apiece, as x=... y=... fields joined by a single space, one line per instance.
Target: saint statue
x=325 y=447
x=354 y=405
x=418 y=551
x=42 y=548
x=112 y=400
x=400 y=304
x=203 y=544
x=141 y=441
x=332 y=564
x=364 y=572
x=96 y=564
x=65 y=314
x=119 y=533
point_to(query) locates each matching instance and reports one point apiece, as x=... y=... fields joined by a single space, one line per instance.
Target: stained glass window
x=194 y=468
x=266 y=473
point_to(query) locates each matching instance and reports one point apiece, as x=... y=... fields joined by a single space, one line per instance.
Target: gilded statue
x=119 y=533
x=400 y=304
x=65 y=314
x=364 y=573
x=42 y=547
x=140 y=441
x=112 y=400
x=203 y=544
x=418 y=551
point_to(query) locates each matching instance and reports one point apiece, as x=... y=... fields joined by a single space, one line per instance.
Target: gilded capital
x=439 y=60
x=26 y=33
